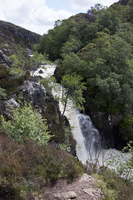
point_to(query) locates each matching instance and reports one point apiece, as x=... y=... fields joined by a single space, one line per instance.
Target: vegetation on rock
x=25 y=123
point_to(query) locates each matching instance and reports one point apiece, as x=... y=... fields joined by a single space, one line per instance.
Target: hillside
x=37 y=150
x=16 y=34
x=29 y=157
x=11 y=36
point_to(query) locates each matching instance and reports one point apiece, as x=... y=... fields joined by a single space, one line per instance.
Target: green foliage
x=125 y=125
x=20 y=50
x=4 y=72
x=73 y=90
x=58 y=124
x=22 y=62
x=26 y=123
x=2 y=93
x=71 y=46
x=81 y=28
x=113 y=187
x=16 y=72
x=109 y=73
x=48 y=83
x=40 y=59
x=98 y=46
x=66 y=144
x=65 y=38
x=14 y=59
x=71 y=63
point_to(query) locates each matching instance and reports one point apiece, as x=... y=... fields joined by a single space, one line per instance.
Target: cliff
x=11 y=33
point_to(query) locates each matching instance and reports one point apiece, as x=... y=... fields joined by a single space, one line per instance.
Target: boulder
x=65 y=195
x=94 y=192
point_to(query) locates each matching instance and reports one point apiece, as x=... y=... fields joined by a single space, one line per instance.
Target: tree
x=71 y=46
x=26 y=123
x=69 y=91
x=57 y=23
x=108 y=73
x=72 y=90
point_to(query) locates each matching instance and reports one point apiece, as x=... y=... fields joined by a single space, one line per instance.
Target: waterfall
x=91 y=135
x=85 y=134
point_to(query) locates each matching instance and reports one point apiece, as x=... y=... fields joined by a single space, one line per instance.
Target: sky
x=40 y=15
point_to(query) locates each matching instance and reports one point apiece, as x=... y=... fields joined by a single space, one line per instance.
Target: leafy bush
x=26 y=123
x=2 y=93
x=4 y=72
x=16 y=72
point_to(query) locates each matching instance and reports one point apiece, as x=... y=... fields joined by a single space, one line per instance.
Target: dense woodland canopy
x=98 y=46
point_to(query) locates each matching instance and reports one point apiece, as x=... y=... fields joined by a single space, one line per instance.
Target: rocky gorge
x=50 y=167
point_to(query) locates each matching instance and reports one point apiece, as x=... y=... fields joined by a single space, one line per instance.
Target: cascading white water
x=91 y=135
x=72 y=115
x=86 y=136
x=47 y=70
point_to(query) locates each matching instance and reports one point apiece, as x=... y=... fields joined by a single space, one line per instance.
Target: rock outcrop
x=34 y=92
x=107 y=126
x=4 y=59
x=17 y=32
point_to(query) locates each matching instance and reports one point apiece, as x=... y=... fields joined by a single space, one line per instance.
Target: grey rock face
x=10 y=105
x=3 y=58
x=20 y=32
x=6 y=107
x=34 y=92
x=12 y=102
x=107 y=126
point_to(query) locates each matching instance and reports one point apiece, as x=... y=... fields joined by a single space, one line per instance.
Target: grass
x=114 y=187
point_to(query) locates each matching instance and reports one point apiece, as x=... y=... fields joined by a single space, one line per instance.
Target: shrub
x=16 y=72
x=114 y=187
x=26 y=123
x=4 y=72
x=26 y=167
x=2 y=93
